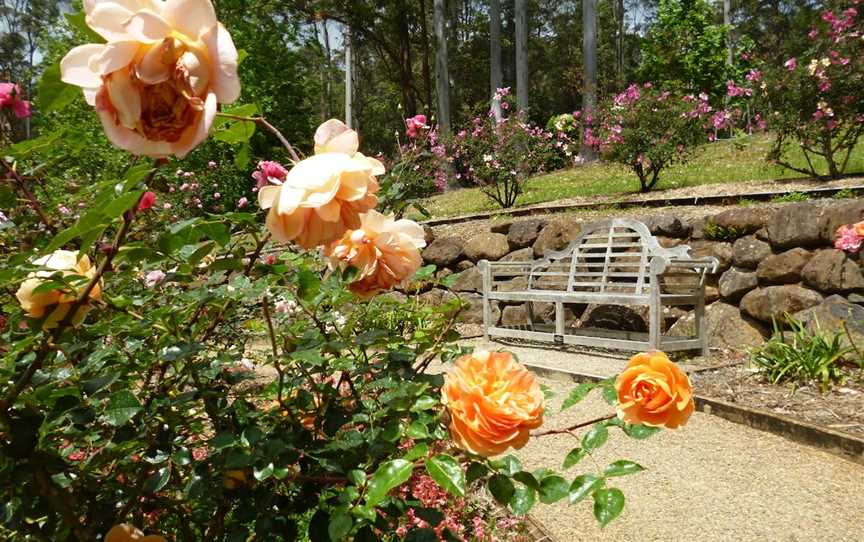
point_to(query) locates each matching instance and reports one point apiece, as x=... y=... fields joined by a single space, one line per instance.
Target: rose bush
x=648 y=130
x=814 y=100
x=226 y=386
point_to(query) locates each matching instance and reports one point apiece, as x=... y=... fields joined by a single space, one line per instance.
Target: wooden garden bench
x=612 y=262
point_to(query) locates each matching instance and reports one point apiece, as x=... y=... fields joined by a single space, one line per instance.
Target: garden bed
x=839 y=409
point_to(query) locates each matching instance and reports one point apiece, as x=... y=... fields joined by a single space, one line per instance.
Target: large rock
x=831 y=271
x=521 y=255
x=776 y=302
x=833 y=315
x=518 y=284
x=470 y=280
x=795 y=225
x=718 y=249
x=544 y=312
x=487 y=246
x=462 y=265
x=443 y=252
x=783 y=268
x=725 y=327
x=556 y=235
x=736 y=282
x=514 y=315
x=668 y=226
x=617 y=317
x=428 y=234
x=523 y=234
x=472 y=313
x=501 y=226
x=749 y=251
x=697 y=227
x=835 y=215
x=743 y=220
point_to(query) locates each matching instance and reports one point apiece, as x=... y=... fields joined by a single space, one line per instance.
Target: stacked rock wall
x=775 y=261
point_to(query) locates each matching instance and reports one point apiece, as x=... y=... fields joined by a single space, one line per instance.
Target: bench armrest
x=659 y=264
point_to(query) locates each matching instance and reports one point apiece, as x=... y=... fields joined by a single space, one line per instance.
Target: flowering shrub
x=418 y=172
x=499 y=157
x=195 y=380
x=849 y=237
x=12 y=107
x=647 y=129
x=815 y=99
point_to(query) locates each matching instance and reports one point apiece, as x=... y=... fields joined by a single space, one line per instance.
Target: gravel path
x=711 y=480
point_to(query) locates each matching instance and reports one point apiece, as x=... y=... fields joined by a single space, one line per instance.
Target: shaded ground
x=711 y=480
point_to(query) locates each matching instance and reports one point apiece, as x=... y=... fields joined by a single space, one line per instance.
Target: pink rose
x=10 y=96
x=269 y=173
x=791 y=64
x=158 y=80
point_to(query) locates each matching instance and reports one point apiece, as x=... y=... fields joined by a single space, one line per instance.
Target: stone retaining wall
x=775 y=260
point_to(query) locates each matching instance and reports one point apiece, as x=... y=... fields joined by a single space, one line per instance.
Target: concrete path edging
x=833 y=442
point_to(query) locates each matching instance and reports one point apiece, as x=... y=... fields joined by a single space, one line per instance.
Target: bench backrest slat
x=608 y=256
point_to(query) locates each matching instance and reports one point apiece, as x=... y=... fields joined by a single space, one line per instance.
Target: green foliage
x=790 y=197
x=814 y=98
x=647 y=130
x=416 y=174
x=685 y=49
x=845 y=193
x=801 y=356
x=716 y=232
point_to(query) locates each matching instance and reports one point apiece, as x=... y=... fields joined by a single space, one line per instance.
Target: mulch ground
x=841 y=408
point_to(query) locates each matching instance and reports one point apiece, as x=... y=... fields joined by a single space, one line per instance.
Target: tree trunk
x=619 y=42
x=442 y=77
x=521 y=17
x=495 y=77
x=427 y=72
x=589 y=61
x=727 y=21
x=349 y=80
x=327 y=110
x=406 y=73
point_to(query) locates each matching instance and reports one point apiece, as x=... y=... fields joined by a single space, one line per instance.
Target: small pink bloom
x=269 y=172
x=167 y=206
x=242 y=202
x=154 y=278
x=146 y=201
x=211 y=164
x=847 y=239
x=217 y=195
x=791 y=64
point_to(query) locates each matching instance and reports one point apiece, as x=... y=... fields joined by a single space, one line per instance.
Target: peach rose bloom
x=654 y=391
x=859 y=228
x=157 y=82
x=493 y=401
x=385 y=251
x=128 y=533
x=324 y=195
x=37 y=304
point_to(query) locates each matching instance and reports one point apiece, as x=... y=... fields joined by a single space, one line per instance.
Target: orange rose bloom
x=654 y=391
x=493 y=401
x=859 y=228
x=37 y=304
x=128 y=533
x=324 y=195
x=385 y=251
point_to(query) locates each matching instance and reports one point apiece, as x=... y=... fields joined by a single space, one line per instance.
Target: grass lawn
x=740 y=160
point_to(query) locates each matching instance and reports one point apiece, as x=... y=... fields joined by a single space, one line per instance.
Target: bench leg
x=654 y=320
x=559 y=318
x=701 y=327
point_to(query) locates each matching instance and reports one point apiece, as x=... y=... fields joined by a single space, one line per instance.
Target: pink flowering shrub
x=499 y=157
x=849 y=237
x=417 y=172
x=815 y=99
x=648 y=130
